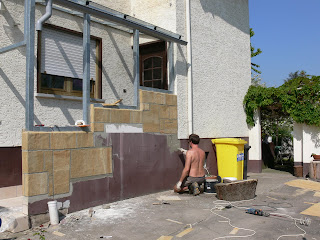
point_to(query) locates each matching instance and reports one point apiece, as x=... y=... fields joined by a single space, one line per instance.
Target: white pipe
x=53 y=212
x=46 y=16
x=189 y=65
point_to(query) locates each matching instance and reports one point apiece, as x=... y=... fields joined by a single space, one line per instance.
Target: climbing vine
x=298 y=97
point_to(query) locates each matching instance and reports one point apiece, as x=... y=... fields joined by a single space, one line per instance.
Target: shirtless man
x=193 y=173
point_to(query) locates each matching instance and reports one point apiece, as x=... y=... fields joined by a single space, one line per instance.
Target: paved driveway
x=166 y=215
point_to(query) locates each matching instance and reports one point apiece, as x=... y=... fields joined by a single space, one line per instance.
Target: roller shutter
x=62 y=54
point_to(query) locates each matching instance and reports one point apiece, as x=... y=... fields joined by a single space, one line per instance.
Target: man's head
x=194 y=139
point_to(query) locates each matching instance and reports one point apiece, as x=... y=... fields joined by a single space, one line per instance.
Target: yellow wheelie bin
x=230 y=157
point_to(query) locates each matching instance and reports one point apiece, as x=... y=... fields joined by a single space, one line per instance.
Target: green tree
x=254 y=53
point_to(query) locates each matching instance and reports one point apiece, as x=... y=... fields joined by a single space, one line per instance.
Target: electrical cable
x=295 y=222
x=221 y=204
x=219 y=207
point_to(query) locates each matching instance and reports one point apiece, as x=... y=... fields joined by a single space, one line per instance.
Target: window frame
x=68 y=87
x=154 y=49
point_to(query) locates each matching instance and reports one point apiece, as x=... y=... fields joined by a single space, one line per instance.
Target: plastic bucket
x=53 y=212
x=229 y=179
x=209 y=185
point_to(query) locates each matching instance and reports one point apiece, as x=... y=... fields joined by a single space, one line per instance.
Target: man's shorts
x=191 y=180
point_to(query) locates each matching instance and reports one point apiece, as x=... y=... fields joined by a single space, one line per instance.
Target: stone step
x=10 y=192
x=13 y=209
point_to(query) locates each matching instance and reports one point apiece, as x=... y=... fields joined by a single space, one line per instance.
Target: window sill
x=62 y=97
x=155 y=90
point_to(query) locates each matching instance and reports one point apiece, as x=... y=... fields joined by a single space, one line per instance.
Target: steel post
x=136 y=67
x=29 y=37
x=170 y=66
x=86 y=68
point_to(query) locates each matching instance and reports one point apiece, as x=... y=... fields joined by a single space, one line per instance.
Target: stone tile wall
x=50 y=160
x=158 y=114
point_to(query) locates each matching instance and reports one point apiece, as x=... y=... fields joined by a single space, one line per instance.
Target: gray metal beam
x=100 y=13
x=29 y=37
x=86 y=69
x=170 y=66
x=136 y=67
x=12 y=46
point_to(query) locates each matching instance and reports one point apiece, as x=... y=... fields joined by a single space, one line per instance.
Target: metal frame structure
x=84 y=7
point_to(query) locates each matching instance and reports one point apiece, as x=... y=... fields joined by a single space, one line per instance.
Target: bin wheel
x=219 y=179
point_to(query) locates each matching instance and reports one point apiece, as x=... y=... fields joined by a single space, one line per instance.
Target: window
x=60 y=62
x=153 y=65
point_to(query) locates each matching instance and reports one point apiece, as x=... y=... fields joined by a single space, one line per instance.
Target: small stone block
x=61 y=182
x=164 y=112
x=48 y=162
x=151 y=127
x=159 y=98
x=35 y=140
x=99 y=161
x=102 y=115
x=171 y=99
x=32 y=161
x=146 y=96
x=61 y=172
x=124 y=116
x=92 y=113
x=35 y=184
x=61 y=160
x=115 y=116
x=63 y=140
x=168 y=126
x=237 y=191
x=82 y=163
x=173 y=112
x=98 y=127
x=50 y=185
x=84 y=139
x=145 y=106
x=135 y=116
x=109 y=160
x=150 y=117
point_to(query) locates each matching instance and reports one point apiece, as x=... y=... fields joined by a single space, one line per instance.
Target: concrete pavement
x=166 y=215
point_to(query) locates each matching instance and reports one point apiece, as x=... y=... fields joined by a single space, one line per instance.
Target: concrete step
x=13 y=208
x=10 y=192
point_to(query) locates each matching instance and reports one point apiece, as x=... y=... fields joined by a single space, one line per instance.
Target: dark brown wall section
x=142 y=163
x=10 y=166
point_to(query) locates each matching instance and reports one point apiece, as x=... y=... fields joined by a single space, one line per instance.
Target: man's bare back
x=197 y=157
x=193 y=172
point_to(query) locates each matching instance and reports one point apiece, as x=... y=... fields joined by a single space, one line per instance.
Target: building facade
x=128 y=149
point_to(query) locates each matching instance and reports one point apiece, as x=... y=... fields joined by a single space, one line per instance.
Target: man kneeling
x=193 y=173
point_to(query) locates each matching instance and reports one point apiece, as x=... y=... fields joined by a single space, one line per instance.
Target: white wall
x=117 y=72
x=306 y=141
x=221 y=64
x=298 y=142
x=255 y=138
x=221 y=68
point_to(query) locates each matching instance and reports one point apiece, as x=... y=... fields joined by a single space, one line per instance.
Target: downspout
x=189 y=65
x=46 y=16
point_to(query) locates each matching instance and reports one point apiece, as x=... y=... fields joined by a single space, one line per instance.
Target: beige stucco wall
x=117 y=72
x=221 y=67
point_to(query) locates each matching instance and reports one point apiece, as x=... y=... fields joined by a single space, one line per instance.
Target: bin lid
x=235 y=141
